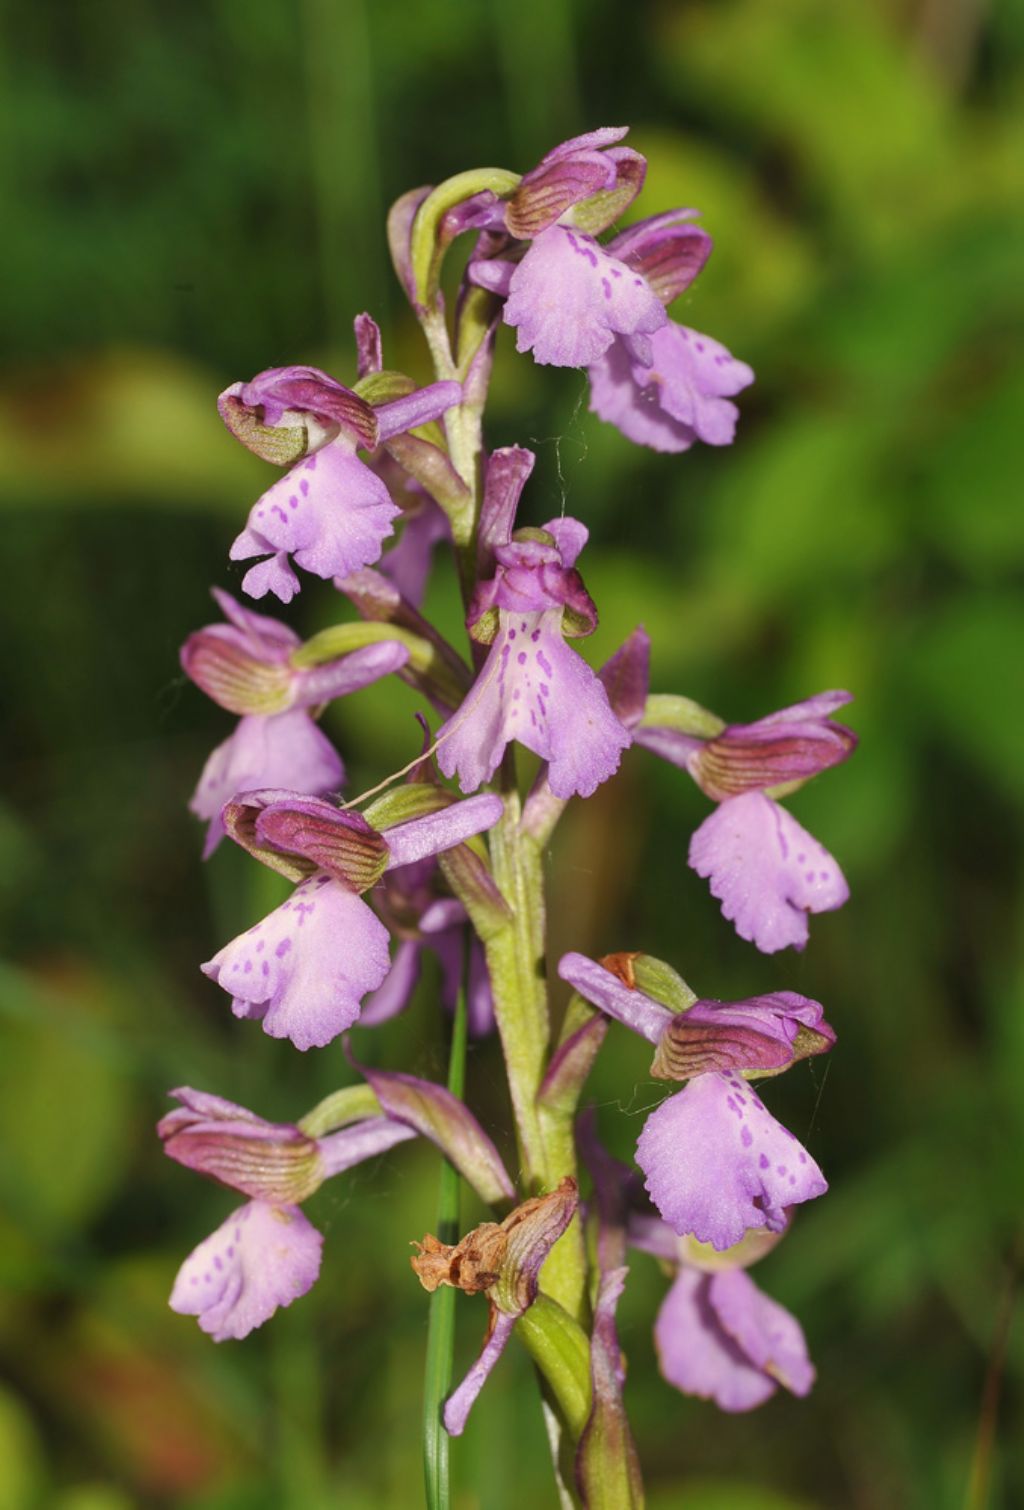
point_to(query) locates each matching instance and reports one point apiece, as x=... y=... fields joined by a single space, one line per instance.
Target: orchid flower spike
x=304 y=970
x=330 y=511
x=716 y=1161
x=245 y=666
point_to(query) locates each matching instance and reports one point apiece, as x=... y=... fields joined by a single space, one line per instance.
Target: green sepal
x=425 y=665
x=560 y=1348
x=663 y=984
x=280 y=444
x=383 y=388
x=404 y=803
x=428 y=242
x=663 y=710
x=596 y=214
x=353 y=1103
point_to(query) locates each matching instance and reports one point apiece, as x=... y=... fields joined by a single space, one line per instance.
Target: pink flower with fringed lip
x=330 y=512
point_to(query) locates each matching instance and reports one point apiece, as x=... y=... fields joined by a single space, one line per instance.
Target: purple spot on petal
x=700 y=345
x=282 y=948
x=616 y=272
x=535 y=636
x=511 y=634
x=809 y=875
x=764 y=1161
x=266 y=967
x=304 y=487
x=231 y=1250
x=293 y=502
x=746 y=1137
x=521 y=657
x=607 y=288
x=218 y=1262
x=248 y=967
x=545 y=664
x=803 y=1158
x=780 y=1169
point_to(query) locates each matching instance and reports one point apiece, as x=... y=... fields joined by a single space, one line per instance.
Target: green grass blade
x=441 y=1324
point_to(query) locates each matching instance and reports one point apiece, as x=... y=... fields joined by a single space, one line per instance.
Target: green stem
x=441 y=1323
x=515 y=959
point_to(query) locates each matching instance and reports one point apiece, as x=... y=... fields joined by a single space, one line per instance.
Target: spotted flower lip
x=330 y=512
x=674 y=391
x=768 y=872
x=568 y=299
x=717 y=1336
x=717 y=1163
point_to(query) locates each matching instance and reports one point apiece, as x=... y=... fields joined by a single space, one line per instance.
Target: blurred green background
x=197 y=191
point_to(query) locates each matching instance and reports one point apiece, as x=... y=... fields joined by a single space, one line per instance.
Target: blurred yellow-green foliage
x=196 y=191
